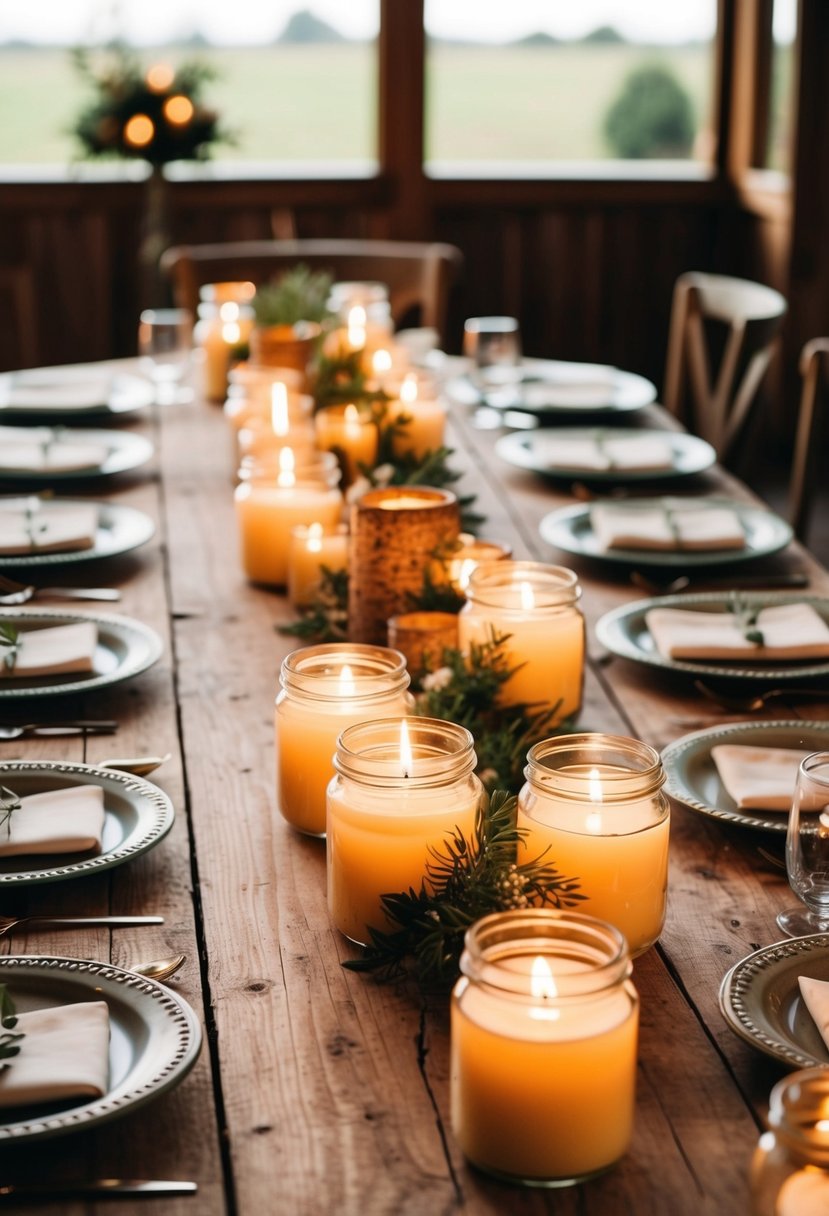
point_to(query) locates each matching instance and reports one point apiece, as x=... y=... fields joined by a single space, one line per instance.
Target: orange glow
x=159 y=77
x=178 y=110
x=139 y=131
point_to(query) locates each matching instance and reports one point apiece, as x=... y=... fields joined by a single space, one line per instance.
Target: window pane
x=780 y=112
x=291 y=86
x=531 y=81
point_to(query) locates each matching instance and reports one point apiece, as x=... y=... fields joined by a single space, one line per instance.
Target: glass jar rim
x=553 y=586
x=495 y=940
x=374 y=669
x=637 y=767
x=369 y=752
x=431 y=497
x=794 y=1104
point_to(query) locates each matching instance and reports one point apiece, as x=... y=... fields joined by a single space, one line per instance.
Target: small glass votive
x=312 y=549
x=165 y=341
x=790 y=1168
x=422 y=637
x=222 y=330
x=543 y=1043
x=403 y=785
x=595 y=802
x=351 y=433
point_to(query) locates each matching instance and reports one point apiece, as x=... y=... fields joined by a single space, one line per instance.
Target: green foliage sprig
x=10 y=641
x=9 y=1040
x=745 y=618
x=465 y=880
x=9 y=803
x=299 y=294
x=121 y=91
x=327 y=618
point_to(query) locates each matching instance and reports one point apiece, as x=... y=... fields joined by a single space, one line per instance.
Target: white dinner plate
x=119 y=530
x=571 y=529
x=155 y=1038
x=552 y=386
x=692 y=777
x=125 y=649
x=74 y=393
x=623 y=631
x=124 y=451
x=535 y=450
x=137 y=815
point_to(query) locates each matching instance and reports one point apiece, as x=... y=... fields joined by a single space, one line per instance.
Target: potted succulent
x=289 y=315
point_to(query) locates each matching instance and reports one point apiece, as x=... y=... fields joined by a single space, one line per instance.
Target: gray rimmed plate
x=125 y=649
x=70 y=394
x=535 y=450
x=760 y=1000
x=124 y=451
x=119 y=530
x=553 y=386
x=155 y=1039
x=624 y=632
x=692 y=776
x=571 y=529
x=137 y=815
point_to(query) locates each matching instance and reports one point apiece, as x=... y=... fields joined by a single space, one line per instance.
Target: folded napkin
x=79 y=395
x=43 y=450
x=789 y=631
x=666 y=526
x=815 y=995
x=627 y=453
x=758 y=777
x=47 y=528
x=60 y=821
x=53 y=651
x=65 y=1054
x=586 y=387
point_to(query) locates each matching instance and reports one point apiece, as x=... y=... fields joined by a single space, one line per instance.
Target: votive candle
x=312 y=548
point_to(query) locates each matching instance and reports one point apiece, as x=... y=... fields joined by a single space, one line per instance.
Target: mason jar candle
x=324 y=689
x=351 y=433
x=313 y=548
x=402 y=786
x=595 y=803
x=790 y=1169
x=544 y=1024
x=537 y=606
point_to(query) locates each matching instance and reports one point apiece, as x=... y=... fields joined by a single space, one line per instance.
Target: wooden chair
x=752 y=314
x=418 y=275
x=809 y=457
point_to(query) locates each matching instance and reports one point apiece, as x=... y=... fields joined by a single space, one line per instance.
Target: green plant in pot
x=290 y=313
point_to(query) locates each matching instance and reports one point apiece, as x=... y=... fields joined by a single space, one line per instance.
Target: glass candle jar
x=790 y=1169
x=537 y=605
x=595 y=802
x=324 y=689
x=544 y=1034
x=223 y=328
x=402 y=786
x=313 y=549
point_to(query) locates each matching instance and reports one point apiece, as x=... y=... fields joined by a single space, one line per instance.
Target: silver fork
x=12 y=593
x=9 y=923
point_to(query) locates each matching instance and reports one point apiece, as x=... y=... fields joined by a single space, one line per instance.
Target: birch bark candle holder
x=422 y=637
x=395 y=531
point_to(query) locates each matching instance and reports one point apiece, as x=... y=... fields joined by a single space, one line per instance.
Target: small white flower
x=436 y=680
x=357 y=489
x=383 y=474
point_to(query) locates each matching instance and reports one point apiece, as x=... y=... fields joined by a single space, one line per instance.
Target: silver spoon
x=139 y=765
x=160 y=968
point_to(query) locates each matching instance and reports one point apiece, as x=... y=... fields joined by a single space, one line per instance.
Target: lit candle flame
x=279 y=410
x=408 y=389
x=542 y=984
x=287 y=465
x=351 y=421
x=159 y=77
x=527 y=596
x=229 y=311
x=465 y=573
x=231 y=333
x=406 y=758
x=357 y=327
x=595 y=793
x=314 y=544
x=347 y=685
x=381 y=362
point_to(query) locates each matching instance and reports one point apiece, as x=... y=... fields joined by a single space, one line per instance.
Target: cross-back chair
x=418 y=275
x=809 y=459
x=717 y=405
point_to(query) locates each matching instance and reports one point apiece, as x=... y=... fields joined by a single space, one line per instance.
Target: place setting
x=46 y=454
x=606 y=454
x=46 y=530
x=76 y=392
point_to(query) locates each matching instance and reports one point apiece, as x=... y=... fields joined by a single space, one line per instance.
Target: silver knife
x=98 y=1188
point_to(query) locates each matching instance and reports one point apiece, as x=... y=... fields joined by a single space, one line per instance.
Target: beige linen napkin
x=758 y=778
x=631 y=454
x=48 y=529
x=20 y=393
x=60 y=821
x=666 y=526
x=65 y=1054
x=41 y=450
x=790 y=631
x=54 y=651
x=815 y=995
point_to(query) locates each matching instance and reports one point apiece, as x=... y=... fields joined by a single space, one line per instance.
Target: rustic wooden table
x=317 y=1090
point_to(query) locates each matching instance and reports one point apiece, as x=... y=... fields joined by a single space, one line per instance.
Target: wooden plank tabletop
x=318 y=1090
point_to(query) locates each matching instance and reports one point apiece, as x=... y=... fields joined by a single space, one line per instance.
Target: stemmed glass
x=165 y=341
x=807 y=849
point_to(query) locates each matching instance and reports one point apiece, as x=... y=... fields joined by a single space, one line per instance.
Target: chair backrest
x=418 y=274
x=809 y=458
x=720 y=404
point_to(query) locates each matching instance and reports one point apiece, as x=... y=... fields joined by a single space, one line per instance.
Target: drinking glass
x=494 y=346
x=165 y=341
x=807 y=849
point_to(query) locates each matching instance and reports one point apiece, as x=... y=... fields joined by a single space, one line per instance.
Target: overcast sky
x=254 y=21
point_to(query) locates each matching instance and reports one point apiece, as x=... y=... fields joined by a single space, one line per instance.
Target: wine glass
x=165 y=341
x=807 y=849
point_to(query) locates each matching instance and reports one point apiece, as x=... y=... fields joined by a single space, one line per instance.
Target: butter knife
x=97 y=1188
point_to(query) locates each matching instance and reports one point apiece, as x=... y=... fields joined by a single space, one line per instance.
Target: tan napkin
x=60 y=821
x=790 y=631
x=41 y=450
x=631 y=454
x=48 y=529
x=666 y=526
x=54 y=651
x=20 y=393
x=65 y=1054
x=815 y=995
x=577 y=386
x=758 y=778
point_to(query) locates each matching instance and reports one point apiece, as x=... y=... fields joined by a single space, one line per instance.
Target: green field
x=318 y=102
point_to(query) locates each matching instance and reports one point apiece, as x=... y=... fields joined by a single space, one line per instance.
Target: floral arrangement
x=155 y=114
